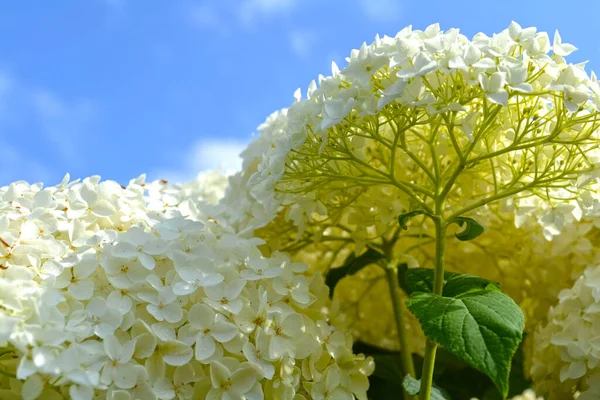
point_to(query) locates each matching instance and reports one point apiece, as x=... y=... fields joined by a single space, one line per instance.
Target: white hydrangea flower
x=567 y=349
x=152 y=291
x=407 y=69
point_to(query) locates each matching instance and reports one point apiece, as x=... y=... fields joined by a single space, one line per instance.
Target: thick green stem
x=438 y=286
x=405 y=350
x=6 y=373
x=3 y=352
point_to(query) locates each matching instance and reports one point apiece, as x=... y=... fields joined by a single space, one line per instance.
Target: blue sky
x=122 y=87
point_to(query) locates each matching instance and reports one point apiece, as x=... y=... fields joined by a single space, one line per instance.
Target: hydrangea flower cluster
x=526 y=395
x=513 y=251
x=500 y=128
x=213 y=289
x=408 y=110
x=145 y=292
x=566 y=355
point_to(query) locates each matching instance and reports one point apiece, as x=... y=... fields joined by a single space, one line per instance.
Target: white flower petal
x=201 y=316
x=32 y=388
x=176 y=353
x=205 y=346
x=243 y=379
x=124 y=376
x=223 y=331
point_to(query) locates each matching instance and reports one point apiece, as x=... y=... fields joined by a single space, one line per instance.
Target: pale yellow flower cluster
x=501 y=129
x=520 y=259
x=526 y=395
x=148 y=291
x=566 y=353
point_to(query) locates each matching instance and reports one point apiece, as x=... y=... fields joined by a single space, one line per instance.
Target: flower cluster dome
x=566 y=353
x=203 y=290
x=145 y=292
x=409 y=111
x=501 y=128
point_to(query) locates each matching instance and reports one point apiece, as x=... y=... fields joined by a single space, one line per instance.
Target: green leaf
x=459 y=380
x=418 y=279
x=402 y=270
x=472 y=228
x=351 y=266
x=403 y=219
x=412 y=386
x=461 y=284
x=482 y=328
x=421 y=280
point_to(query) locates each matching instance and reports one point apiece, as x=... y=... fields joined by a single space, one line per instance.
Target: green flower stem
x=438 y=286
x=6 y=350
x=405 y=351
x=6 y=373
x=3 y=352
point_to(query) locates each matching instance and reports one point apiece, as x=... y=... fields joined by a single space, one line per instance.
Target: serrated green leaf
x=482 y=328
x=412 y=386
x=461 y=284
x=403 y=219
x=418 y=279
x=421 y=280
x=402 y=270
x=351 y=266
x=472 y=229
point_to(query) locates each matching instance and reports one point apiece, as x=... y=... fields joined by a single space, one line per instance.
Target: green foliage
x=403 y=219
x=472 y=229
x=458 y=379
x=351 y=266
x=421 y=280
x=462 y=381
x=476 y=322
x=412 y=386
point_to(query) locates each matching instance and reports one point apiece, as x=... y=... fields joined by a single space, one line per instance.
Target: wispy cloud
x=225 y=15
x=15 y=165
x=205 y=155
x=64 y=123
x=382 y=10
x=115 y=4
x=251 y=10
x=44 y=117
x=5 y=88
x=301 y=42
x=205 y=15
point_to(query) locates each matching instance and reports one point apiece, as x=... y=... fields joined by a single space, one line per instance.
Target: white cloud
x=382 y=10
x=205 y=155
x=205 y=16
x=115 y=4
x=56 y=126
x=18 y=166
x=251 y=10
x=6 y=84
x=301 y=42
x=64 y=123
x=14 y=163
x=221 y=16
